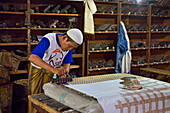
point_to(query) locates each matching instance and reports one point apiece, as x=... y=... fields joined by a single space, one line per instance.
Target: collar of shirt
x=57 y=38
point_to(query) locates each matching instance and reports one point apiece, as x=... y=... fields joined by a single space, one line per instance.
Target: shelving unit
x=29 y=31
x=132 y=14
x=129 y=13
x=135 y=18
x=160 y=18
x=12 y=26
x=148 y=36
x=78 y=61
x=106 y=36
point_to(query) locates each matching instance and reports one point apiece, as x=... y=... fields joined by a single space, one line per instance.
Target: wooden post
x=148 y=74
x=30 y=107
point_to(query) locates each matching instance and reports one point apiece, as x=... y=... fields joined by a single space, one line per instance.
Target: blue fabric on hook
x=122 y=48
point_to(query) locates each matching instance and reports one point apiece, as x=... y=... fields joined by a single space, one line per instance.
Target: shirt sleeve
x=68 y=58
x=41 y=47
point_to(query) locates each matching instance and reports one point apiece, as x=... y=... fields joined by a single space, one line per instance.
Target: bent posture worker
x=46 y=59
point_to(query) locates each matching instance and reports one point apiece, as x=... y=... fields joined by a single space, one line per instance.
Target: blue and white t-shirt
x=49 y=50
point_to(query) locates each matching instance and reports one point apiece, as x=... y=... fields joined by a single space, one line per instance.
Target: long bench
x=158 y=71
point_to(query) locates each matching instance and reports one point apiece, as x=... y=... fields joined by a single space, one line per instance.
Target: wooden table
x=153 y=97
x=45 y=104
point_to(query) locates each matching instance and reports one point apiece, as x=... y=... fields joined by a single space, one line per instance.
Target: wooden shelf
x=101 y=51
x=105 y=14
x=160 y=16
x=157 y=63
x=59 y=29
x=137 y=31
x=14 y=13
x=105 y=2
x=106 y=32
x=160 y=31
x=160 y=6
x=124 y=3
x=135 y=15
x=102 y=69
x=77 y=55
x=159 y=47
x=18 y=72
x=139 y=65
x=74 y=66
x=34 y=43
x=13 y=28
x=13 y=44
x=136 y=49
x=55 y=14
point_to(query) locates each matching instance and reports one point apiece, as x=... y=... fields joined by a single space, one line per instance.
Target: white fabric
x=90 y=9
x=76 y=35
x=108 y=93
x=98 y=89
x=126 y=60
x=54 y=55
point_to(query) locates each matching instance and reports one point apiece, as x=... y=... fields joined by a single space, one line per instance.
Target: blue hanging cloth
x=122 y=48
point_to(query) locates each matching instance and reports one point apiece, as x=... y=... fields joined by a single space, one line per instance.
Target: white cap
x=76 y=35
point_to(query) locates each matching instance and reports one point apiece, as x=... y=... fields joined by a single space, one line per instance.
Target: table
x=84 y=95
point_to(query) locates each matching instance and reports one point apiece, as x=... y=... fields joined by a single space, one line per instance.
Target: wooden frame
x=45 y=104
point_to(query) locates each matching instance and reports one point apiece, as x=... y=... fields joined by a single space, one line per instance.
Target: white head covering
x=76 y=35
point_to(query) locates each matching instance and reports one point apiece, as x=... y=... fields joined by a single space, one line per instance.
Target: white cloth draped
x=90 y=9
x=126 y=60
